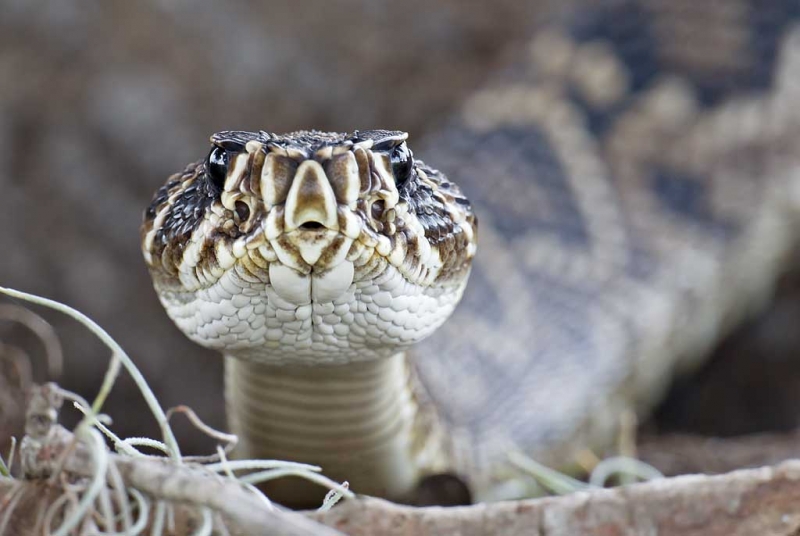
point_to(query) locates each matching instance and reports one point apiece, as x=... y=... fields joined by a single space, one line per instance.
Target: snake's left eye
x=217 y=166
x=402 y=164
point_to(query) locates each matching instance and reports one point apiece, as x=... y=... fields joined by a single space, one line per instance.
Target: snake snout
x=317 y=226
x=311 y=202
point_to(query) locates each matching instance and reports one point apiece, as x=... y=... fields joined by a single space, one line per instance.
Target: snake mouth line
x=315 y=287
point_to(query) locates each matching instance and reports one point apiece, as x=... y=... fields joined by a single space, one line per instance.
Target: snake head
x=309 y=246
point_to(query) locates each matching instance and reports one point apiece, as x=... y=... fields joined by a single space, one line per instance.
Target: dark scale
x=390 y=137
x=628 y=28
x=428 y=207
x=769 y=21
x=514 y=155
x=234 y=140
x=187 y=212
x=688 y=196
x=161 y=196
x=306 y=140
x=163 y=193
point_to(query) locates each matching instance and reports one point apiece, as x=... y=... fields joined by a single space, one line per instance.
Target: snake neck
x=366 y=423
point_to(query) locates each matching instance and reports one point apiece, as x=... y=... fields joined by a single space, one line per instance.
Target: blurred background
x=101 y=101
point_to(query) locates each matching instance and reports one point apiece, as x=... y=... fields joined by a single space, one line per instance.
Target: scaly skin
x=316 y=250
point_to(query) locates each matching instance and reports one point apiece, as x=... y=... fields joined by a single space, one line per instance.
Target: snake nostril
x=242 y=210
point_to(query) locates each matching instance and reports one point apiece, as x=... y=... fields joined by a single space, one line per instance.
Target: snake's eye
x=217 y=166
x=402 y=164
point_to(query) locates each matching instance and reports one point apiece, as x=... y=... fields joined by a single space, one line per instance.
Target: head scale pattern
x=309 y=245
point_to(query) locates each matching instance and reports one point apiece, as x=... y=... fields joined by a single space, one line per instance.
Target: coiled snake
x=636 y=172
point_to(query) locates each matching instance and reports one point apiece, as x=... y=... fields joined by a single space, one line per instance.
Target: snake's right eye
x=217 y=166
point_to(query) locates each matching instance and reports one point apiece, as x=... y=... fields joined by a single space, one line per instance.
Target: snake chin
x=319 y=286
x=303 y=319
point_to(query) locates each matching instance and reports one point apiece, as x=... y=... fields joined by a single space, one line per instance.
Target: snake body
x=636 y=171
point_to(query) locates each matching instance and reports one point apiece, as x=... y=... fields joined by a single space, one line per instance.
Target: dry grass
x=100 y=492
x=90 y=490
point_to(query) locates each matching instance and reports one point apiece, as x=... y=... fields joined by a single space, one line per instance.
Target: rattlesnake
x=635 y=174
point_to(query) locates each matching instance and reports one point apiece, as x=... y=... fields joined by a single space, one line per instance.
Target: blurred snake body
x=636 y=170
